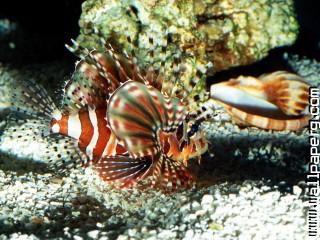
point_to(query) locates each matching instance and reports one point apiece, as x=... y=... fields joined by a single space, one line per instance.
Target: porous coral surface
x=225 y=33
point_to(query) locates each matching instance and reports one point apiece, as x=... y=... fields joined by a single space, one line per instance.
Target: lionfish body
x=277 y=101
x=123 y=123
x=84 y=113
x=91 y=129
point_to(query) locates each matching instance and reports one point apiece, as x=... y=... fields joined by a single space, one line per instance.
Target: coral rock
x=224 y=32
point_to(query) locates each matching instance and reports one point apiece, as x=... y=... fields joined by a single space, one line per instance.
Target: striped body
x=91 y=129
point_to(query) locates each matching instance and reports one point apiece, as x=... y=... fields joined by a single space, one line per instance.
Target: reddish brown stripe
x=304 y=97
x=284 y=84
x=297 y=124
x=283 y=93
x=133 y=89
x=104 y=133
x=86 y=129
x=276 y=124
x=53 y=121
x=120 y=149
x=249 y=118
x=106 y=62
x=63 y=123
x=91 y=73
x=270 y=90
x=300 y=105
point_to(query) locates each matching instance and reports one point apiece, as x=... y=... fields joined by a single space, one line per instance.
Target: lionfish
x=126 y=126
x=277 y=101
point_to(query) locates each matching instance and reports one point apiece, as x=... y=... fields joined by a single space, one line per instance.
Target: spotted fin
x=137 y=112
x=96 y=76
x=63 y=154
x=123 y=169
x=288 y=91
x=170 y=175
x=39 y=127
x=109 y=67
x=81 y=94
x=31 y=99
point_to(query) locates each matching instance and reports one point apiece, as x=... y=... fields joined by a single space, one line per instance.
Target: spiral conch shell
x=277 y=101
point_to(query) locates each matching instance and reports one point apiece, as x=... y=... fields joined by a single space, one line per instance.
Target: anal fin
x=123 y=169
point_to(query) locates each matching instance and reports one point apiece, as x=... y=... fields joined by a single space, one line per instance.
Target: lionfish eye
x=179 y=131
x=193 y=129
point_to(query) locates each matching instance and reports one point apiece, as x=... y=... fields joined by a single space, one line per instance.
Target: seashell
x=277 y=101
